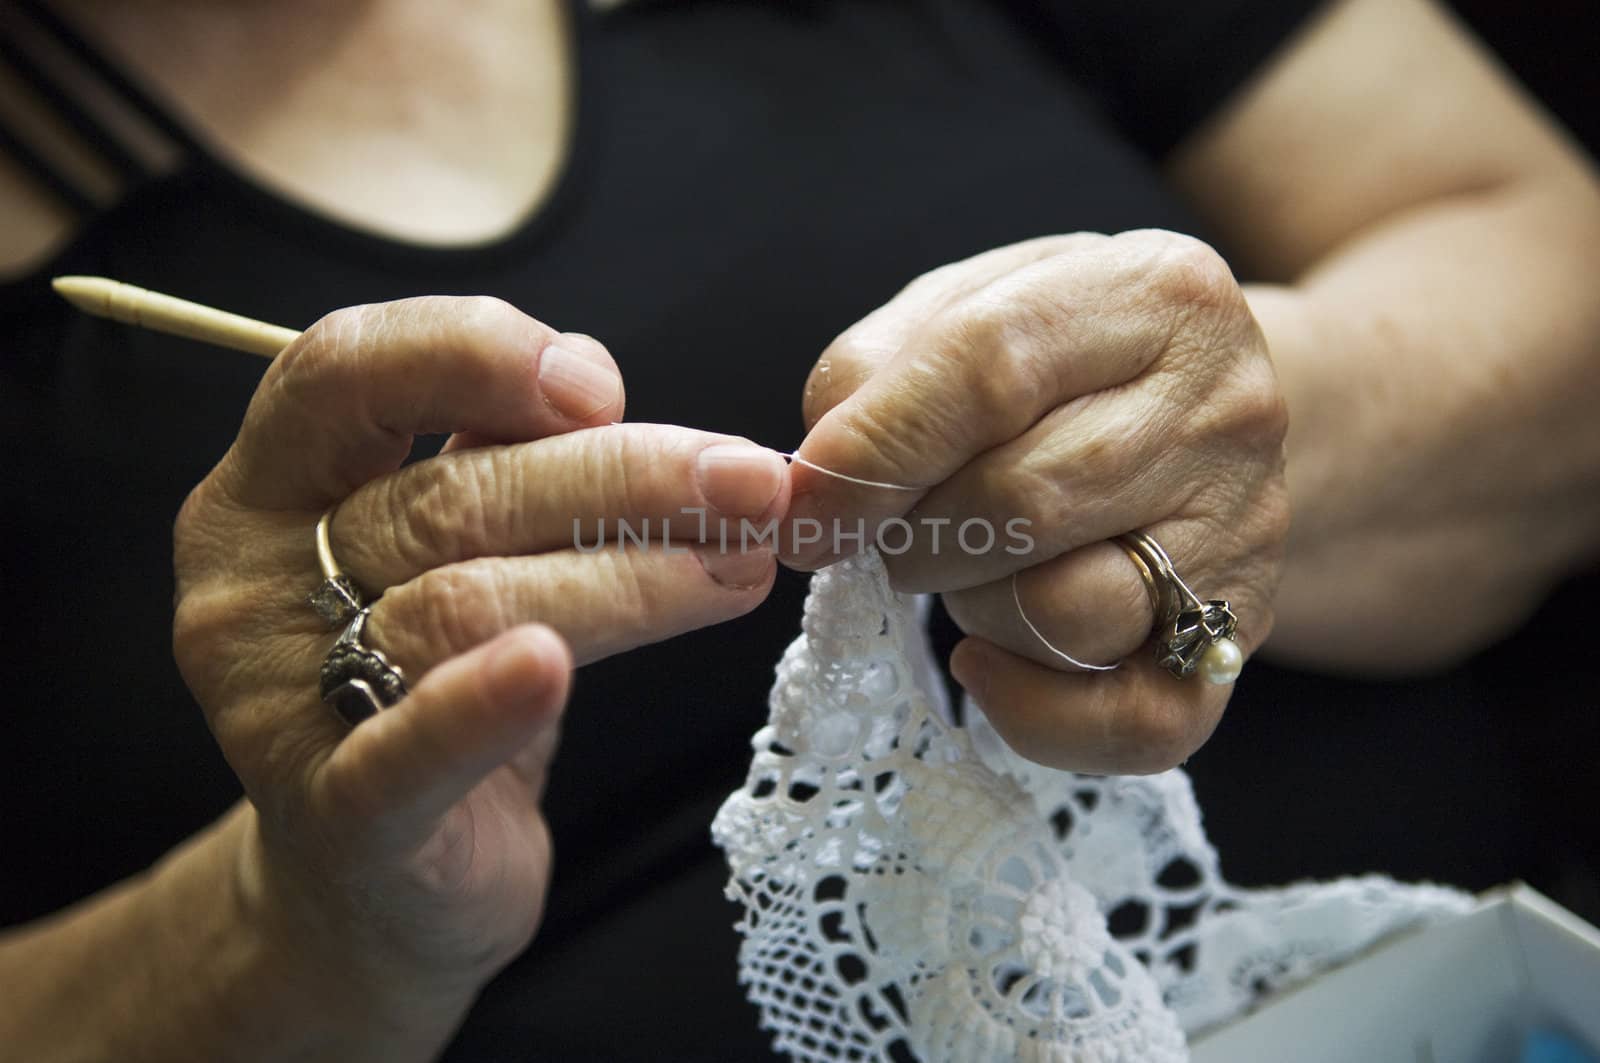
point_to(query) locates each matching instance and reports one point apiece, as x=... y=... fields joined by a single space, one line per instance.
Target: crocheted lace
x=915 y=890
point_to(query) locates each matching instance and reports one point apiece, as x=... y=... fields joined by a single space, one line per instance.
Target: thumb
x=397 y=773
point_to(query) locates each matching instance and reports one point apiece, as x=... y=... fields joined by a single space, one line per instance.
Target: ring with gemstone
x=358 y=681
x=337 y=599
x=1191 y=634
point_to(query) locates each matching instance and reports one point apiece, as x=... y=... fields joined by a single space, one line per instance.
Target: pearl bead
x=1222 y=662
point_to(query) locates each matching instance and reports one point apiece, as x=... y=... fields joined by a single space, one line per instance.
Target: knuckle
x=1264 y=409
x=1245 y=380
x=205 y=549
x=329 y=358
x=1188 y=282
x=200 y=622
x=481 y=326
x=337 y=331
x=618 y=475
x=1244 y=408
x=448 y=517
x=899 y=439
x=623 y=471
x=1231 y=403
x=1071 y=489
x=335 y=327
x=938 y=280
x=486 y=316
x=447 y=611
x=980 y=328
x=1033 y=492
x=992 y=347
x=631 y=591
x=841 y=369
x=1190 y=270
x=189 y=537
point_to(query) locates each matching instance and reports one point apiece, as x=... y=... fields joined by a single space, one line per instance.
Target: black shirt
x=748 y=178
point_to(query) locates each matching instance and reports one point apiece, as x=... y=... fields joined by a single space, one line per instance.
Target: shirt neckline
x=327 y=234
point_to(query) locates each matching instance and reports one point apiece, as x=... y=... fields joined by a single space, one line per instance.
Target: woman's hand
x=396 y=866
x=1062 y=391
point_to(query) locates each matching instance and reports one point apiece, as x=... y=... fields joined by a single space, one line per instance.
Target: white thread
x=794 y=456
x=1040 y=636
x=1015 y=596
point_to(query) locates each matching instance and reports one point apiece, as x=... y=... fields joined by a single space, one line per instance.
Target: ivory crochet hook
x=131 y=305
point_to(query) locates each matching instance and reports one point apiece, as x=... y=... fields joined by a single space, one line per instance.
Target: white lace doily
x=915 y=890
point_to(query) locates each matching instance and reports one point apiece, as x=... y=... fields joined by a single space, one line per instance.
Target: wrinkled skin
x=408 y=856
x=1091 y=385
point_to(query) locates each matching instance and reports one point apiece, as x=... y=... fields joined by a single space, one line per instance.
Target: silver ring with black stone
x=358 y=681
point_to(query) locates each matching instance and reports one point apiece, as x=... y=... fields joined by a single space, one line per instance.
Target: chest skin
x=465 y=111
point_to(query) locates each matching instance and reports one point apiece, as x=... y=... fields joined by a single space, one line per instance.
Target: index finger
x=341 y=405
x=871 y=343
x=974 y=375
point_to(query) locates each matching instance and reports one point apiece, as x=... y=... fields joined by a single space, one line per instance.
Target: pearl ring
x=1191 y=635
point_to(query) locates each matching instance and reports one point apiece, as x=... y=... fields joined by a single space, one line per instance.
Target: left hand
x=1090 y=385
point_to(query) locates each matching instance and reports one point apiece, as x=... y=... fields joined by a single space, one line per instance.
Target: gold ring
x=337 y=599
x=1191 y=635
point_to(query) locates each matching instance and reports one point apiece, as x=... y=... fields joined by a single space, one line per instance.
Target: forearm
x=1444 y=461
x=183 y=962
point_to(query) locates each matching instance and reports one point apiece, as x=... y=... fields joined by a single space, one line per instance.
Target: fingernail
x=576 y=385
x=739 y=479
x=735 y=569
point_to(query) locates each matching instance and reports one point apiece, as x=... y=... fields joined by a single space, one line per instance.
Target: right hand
x=398 y=865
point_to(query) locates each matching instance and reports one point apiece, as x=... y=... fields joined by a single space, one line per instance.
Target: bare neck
x=441 y=124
